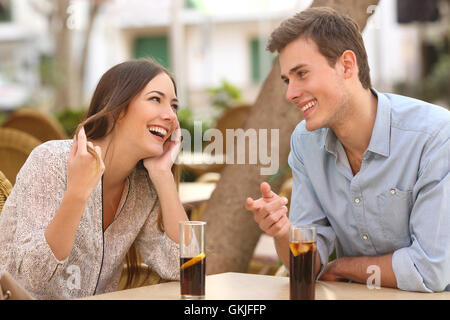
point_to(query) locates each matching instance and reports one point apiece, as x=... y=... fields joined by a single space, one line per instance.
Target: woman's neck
x=118 y=162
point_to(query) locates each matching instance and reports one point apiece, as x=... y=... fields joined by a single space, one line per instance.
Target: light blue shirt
x=399 y=202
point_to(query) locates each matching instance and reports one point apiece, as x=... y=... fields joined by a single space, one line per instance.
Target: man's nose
x=293 y=92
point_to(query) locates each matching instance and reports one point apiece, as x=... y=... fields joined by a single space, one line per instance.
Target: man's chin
x=311 y=126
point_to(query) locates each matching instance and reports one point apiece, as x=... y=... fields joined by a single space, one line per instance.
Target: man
x=370 y=170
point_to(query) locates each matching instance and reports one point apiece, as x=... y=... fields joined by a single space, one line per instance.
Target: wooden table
x=243 y=286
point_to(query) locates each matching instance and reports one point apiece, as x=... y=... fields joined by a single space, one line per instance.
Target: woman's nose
x=169 y=114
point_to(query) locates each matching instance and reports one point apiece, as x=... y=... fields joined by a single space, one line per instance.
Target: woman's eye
x=157 y=99
x=175 y=107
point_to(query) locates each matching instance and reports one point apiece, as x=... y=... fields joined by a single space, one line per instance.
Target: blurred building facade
x=202 y=41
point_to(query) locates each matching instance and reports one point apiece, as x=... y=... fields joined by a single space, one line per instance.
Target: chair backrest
x=5 y=190
x=40 y=125
x=15 y=147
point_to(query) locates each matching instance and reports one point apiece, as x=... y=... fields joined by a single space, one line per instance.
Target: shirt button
x=393 y=192
x=357 y=200
x=365 y=237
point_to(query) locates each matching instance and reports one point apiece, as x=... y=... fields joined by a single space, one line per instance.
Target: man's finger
x=266 y=191
x=249 y=204
x=274 y=205
x=273 y=218
x=253 y=205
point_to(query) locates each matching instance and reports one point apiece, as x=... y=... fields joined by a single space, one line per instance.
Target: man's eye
x=302 y=74
x=286 y=81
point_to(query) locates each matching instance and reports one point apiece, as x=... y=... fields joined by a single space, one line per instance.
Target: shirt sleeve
x=425 y=264
x=28 y=211
x=305 y=208
x=157 y=249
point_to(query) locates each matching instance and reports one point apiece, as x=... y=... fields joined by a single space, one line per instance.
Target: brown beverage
x=302 y=268
x=192 y=276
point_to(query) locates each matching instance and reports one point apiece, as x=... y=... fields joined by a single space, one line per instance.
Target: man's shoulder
x=411 y=114
x=308 y=142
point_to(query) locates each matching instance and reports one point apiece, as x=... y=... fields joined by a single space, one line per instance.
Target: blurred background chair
x=15 y=147
x=40 y=125
x=5 y=190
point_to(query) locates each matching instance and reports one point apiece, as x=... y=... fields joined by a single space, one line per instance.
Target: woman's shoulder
x=50 y=155
x=53 y=148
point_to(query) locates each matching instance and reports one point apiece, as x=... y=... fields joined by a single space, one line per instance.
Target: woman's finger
x=73 y=149
x=82 y=140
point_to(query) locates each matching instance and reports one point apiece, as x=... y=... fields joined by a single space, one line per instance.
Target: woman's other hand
x=84 y=169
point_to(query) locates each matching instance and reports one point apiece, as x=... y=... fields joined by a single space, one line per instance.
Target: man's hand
x=330 y=272
x=270 y=212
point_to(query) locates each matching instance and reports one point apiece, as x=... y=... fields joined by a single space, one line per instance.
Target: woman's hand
x=83 y=169
x=162 y=165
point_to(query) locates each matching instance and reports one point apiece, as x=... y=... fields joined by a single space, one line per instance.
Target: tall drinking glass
x=192 y=259
x=303 y=247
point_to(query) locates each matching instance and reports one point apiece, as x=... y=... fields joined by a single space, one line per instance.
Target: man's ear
x=349 y=64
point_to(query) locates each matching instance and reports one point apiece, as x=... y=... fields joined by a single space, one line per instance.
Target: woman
x=79 y=205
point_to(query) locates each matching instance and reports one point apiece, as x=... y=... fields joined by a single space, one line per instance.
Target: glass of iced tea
x=302 y=245
x=192 y=259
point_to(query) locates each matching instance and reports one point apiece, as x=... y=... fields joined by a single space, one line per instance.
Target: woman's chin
x=154 y=151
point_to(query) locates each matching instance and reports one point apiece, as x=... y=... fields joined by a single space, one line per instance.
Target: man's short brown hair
x=334 y=33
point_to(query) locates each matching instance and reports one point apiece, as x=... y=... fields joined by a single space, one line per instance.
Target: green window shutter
x=261 y=61
x=5 y=11
x=154 y=47
x=255 y=61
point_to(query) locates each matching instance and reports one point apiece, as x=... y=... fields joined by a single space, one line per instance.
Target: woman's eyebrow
x=161 y=94
x=156 y=91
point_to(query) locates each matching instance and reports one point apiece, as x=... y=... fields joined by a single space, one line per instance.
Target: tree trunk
x=81 y=67
x=231 y=232
x=63 y=48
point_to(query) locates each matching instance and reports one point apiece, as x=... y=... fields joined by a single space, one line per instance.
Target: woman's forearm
x=172 y=209
x=60 y=233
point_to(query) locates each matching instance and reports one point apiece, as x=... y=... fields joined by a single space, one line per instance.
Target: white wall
x=393 y=49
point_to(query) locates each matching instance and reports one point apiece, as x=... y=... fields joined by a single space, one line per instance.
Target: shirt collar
x=381 y=134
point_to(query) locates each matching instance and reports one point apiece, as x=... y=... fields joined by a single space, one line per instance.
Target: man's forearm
x=359 y=269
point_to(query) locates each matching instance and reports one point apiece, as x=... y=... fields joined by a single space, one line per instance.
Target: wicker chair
x=36 y=123
x=5 y=190
x=15 y=147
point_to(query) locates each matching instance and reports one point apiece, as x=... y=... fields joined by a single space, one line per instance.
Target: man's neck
x=355 y=131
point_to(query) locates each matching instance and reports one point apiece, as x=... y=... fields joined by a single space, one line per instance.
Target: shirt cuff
x=323 y=253
x=408 y=278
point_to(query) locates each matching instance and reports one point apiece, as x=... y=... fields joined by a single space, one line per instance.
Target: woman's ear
x=121 y=115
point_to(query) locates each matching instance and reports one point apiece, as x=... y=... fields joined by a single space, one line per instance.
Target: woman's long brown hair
x=113 y=94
